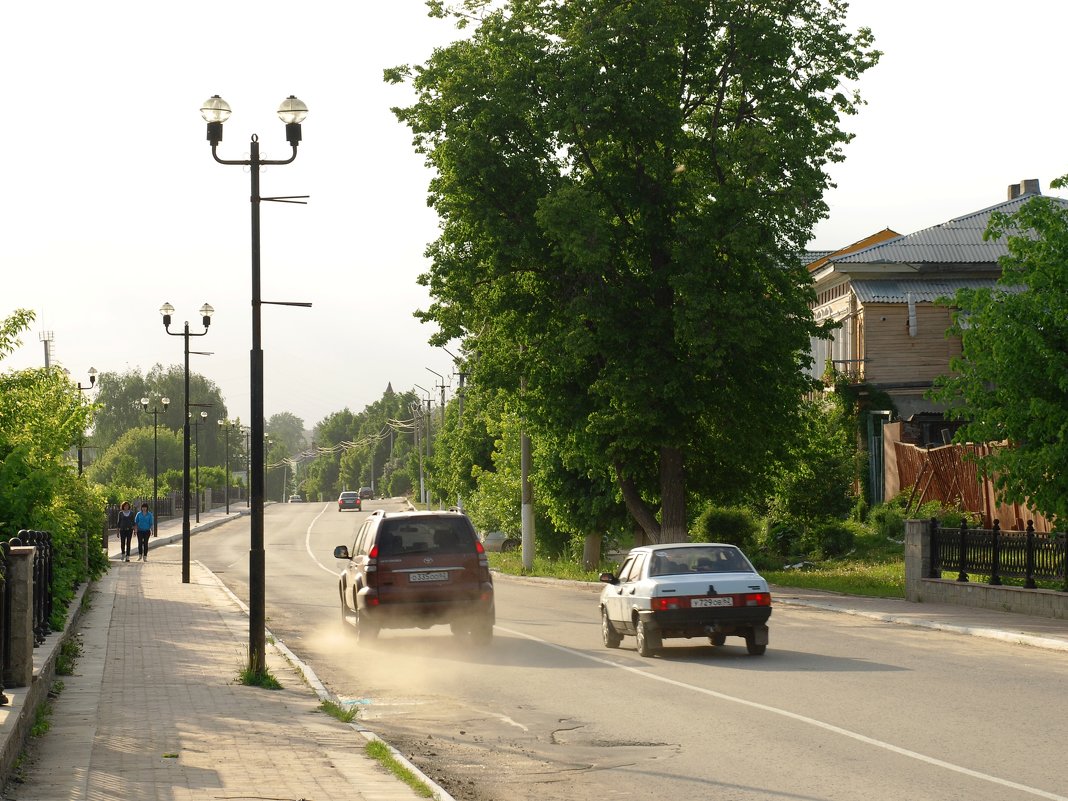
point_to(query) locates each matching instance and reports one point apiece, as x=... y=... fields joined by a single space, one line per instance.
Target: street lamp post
x=225 y=427
x=155 y=412
x=248 y=467
x=86 y=388
x=196 y=447
x=292 y=112
x=205 y=311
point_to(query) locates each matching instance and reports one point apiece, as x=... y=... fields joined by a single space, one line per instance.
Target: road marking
x=307 y=543
x=939 y=763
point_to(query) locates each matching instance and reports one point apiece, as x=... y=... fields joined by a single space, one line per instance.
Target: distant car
x=685 y=590
x=418 y=569
x=499 y=541
x=295 y=499
x=366 y=494
x=349 y=500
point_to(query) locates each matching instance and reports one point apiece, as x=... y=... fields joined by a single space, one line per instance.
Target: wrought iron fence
x=997 y=554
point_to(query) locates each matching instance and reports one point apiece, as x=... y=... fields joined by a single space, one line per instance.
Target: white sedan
x=685 y=590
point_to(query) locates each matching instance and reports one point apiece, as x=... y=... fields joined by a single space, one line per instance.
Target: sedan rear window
x=713 y=559
x=439 y=536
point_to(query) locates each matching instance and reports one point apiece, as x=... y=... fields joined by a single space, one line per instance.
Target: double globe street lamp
x=292 y=112
x=155 y=412
x=205 y=313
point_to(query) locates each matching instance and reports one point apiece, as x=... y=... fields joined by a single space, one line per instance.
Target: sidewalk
x=155 y=711
x=1037 y=632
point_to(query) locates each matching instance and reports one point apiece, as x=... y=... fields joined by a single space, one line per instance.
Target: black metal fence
x=42 y=602
x=999 y=554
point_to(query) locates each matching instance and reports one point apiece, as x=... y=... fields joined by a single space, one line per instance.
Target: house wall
x=893 y=358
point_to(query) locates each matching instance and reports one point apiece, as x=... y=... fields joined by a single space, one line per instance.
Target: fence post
x=963 y=555
x=18 y=669
x=995 y=570
x=935 y=569
x=1029 y=571
x=4 y=622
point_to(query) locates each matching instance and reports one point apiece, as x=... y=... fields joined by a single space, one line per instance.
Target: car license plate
x=436 y=576
x=725 y=600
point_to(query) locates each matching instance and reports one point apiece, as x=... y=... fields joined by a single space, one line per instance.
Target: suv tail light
x=372 y=562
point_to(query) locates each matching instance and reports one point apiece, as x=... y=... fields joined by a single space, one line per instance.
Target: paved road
x=841 y=707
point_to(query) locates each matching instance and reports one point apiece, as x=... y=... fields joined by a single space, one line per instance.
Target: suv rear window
x=400 y=537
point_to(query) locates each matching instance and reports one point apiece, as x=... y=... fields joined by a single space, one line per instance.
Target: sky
x=112 y=205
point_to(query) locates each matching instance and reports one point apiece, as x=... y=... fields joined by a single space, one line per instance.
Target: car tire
x=345 y=625
x=609 y=635
x=508 y=546
x=481 y=634
x=649 y=641
x=366 y=631
x=718 y=639
x=752 y=647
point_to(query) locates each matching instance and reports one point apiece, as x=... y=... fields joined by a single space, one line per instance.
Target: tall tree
x=118 y=406
x=1011 y=380
x=623 y=189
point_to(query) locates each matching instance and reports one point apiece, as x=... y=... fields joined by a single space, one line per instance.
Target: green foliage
x=1010 y=383
x=42 y=414
x=378 y=750
x=346 y=714
x=68 y=655
x=816 y=479
x=118 y=409
x=736 y=525
x=625 y=184
x=263 y=679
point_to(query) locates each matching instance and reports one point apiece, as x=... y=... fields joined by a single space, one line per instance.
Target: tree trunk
x=591 y=552
x=637 y=507
x=672 y=496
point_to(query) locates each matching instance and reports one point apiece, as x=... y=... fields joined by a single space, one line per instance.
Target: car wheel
x=366 y=631
x=649 y=641
x=345 y=625
x=482 y=634
x=718 y=639
x=508 y=546
x=609 y=635
x=752 y=647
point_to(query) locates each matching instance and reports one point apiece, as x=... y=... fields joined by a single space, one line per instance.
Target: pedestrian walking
x=126 y=529
x=143 y=521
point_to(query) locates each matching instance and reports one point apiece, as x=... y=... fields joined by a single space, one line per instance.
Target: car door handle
x=630 y=591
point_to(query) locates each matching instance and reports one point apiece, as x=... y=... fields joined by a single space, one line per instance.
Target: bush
x=827 y=539
x=888 y=520
x=781 y=536
x=734 y=525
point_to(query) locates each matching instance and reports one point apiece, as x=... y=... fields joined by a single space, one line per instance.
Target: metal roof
x=958 y=241
x=922 y=291
x=809 y=256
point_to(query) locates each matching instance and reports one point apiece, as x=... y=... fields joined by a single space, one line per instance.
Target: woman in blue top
x=143 y=521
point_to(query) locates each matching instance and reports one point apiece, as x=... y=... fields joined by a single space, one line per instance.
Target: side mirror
x=342 y=552
x=608 y=578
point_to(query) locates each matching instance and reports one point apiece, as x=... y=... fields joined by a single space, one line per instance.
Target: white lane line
x=333 y=571
x=939 y=763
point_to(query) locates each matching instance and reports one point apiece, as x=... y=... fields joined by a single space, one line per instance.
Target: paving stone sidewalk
x=155 y=711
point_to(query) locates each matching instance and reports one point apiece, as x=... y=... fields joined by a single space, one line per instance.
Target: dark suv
x=416 y=569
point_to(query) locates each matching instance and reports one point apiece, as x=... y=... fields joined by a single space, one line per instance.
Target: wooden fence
x=950 y=474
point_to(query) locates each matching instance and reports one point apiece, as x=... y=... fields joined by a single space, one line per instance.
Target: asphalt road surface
x=840 y=708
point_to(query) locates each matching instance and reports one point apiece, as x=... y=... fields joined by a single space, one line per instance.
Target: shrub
x=830 y=538
x=735 y=525
x=781 y=536
x=888 y=520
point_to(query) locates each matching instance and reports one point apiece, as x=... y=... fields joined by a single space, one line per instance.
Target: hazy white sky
x=111 y=203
